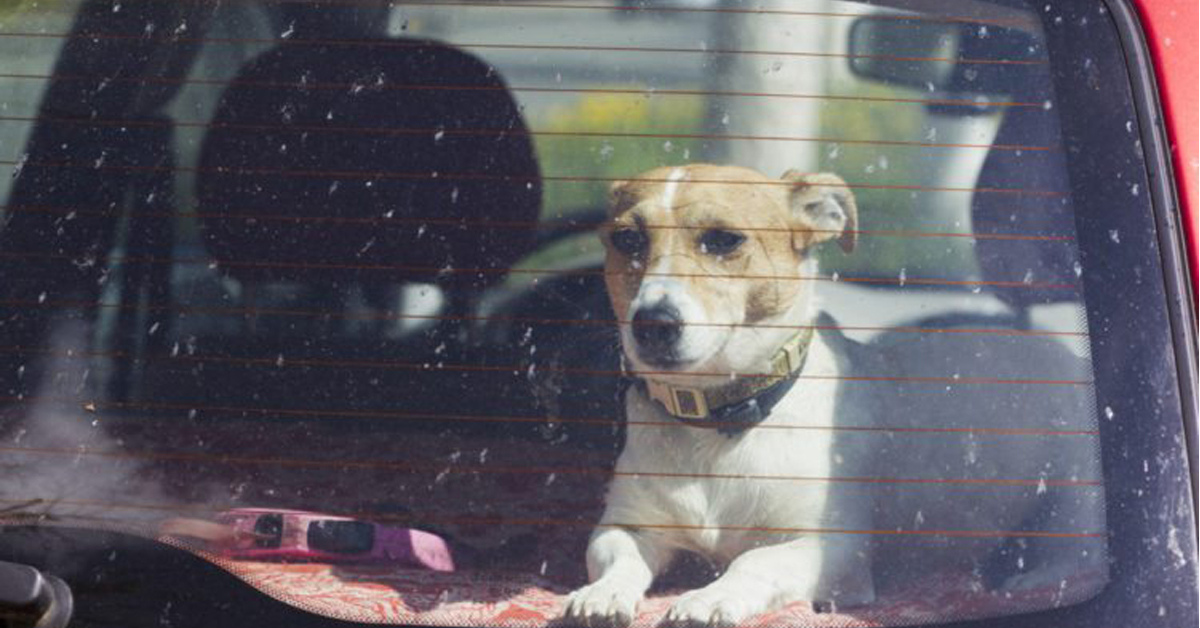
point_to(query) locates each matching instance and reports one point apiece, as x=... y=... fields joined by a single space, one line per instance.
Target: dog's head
x=700 y=254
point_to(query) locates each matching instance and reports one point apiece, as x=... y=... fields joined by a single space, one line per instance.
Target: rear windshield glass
x=690 y=309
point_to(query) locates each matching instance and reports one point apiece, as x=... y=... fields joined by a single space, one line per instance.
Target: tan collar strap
x=696 y=405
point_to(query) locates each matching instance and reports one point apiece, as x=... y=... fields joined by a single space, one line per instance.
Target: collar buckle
x=740 y=398
x=683 y=402
x=793 y=357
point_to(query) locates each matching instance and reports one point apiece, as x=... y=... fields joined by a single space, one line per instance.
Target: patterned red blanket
x=385 y=596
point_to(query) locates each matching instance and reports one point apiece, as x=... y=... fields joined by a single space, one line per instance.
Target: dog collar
x=742 y=403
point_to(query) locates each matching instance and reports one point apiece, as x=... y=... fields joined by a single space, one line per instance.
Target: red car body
x=1171 y=34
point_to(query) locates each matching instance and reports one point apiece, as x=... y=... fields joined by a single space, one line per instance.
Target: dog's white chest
x=723 y=495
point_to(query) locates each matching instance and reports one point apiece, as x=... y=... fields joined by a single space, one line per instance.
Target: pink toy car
x=277 y=534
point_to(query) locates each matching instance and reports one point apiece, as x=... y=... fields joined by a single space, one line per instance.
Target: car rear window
x=349 y=258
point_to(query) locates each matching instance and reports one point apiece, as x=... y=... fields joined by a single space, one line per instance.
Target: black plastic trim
x=1168 y=215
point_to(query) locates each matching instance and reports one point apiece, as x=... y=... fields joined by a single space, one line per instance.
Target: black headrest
x=1043 y=210
x=325 y=160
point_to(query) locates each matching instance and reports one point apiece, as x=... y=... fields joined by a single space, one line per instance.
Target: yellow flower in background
x=607 y=151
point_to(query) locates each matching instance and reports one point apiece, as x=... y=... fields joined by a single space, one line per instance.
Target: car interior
x=344 y=257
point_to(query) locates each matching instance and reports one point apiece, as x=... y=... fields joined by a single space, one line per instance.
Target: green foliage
x=10 y=8
x=577 y=139
x=872 y=165
x=882 y=175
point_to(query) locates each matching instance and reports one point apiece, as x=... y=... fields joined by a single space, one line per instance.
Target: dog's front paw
x=602 y=604
x=711 y=606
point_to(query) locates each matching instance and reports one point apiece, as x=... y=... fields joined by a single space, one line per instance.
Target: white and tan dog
x=729 y=456
x=703 y=261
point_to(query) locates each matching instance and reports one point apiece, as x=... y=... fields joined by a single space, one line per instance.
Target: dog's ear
x=823 y=208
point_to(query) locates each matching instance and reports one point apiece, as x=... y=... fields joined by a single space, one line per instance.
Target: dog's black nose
x=657 y=328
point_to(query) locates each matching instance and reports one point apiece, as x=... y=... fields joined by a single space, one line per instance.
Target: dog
x=703 y=263
x=738 y=380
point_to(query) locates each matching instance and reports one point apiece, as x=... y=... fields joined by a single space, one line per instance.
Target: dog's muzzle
x=657 y=330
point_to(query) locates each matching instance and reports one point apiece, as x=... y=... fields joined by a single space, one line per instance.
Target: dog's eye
x=720 y=241
x=629 y=241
